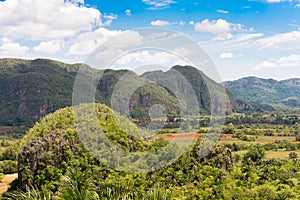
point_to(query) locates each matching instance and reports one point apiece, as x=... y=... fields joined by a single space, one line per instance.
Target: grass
x=280 y=154
x=259 y=140
x=225 y=138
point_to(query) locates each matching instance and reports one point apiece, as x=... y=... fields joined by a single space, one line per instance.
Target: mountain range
x=30 y=89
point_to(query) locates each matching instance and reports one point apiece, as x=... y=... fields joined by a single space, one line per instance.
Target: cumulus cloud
x=150 y=58
x=158 y=4
x=86 y=43
x=52 y=46
x=220 y=28
x=46 y=20
x=9 y=48
x=160 y=23
x=128 y=12
x=285 y=61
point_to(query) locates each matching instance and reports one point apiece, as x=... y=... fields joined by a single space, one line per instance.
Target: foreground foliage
x=53 y=164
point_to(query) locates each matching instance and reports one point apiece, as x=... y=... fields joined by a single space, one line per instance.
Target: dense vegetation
x=54 y=164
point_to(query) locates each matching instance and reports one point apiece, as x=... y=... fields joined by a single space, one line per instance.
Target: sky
x=242 y=37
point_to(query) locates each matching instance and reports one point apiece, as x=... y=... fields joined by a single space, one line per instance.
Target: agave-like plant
x=78 y=185
x=31 y=193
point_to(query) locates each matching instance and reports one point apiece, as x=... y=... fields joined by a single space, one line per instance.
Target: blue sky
x=242 y=37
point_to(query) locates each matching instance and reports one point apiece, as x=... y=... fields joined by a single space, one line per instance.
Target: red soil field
x=181 y=136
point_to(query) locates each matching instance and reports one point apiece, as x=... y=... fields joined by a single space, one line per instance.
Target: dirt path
x=4 y=184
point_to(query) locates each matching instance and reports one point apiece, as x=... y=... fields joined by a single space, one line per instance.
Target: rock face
x=203 y=87
x=53 y=145
x=51 y=150
x=253 y=106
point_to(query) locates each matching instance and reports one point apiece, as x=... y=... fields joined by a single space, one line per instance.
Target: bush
x=8 y=167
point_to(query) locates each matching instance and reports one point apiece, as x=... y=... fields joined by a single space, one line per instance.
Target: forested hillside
x=31 y=89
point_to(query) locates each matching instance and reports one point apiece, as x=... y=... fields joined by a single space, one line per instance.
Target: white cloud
x=86 y=43
x=220 y=28
x=52 y=46
x=285 y=61
x=282 y=37
x=128 y=12
x=282 y=40
x=240 y=42
x=184 y=52
x=226 y=55
x=181 y=23
x=46 y=20
x=270 y=45
x=158 y=4
x=223 y=11
x=109 y=19
x=274 y=1
x=9 y=48
x=150 y=58
x=191 y=22
x=160 y=23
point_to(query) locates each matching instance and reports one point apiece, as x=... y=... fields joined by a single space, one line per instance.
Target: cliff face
x=52 y=150
x=205 y=89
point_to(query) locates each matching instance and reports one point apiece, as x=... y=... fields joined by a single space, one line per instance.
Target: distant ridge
x=285 y=93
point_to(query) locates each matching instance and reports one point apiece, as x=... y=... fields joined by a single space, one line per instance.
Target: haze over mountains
x=285 y=93
x=30 y=89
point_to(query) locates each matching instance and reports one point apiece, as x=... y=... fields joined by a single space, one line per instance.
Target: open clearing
x=8 y=178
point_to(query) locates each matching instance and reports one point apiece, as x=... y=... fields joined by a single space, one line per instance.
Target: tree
x=293 y=155
x=255 y=154
x=229 y=128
